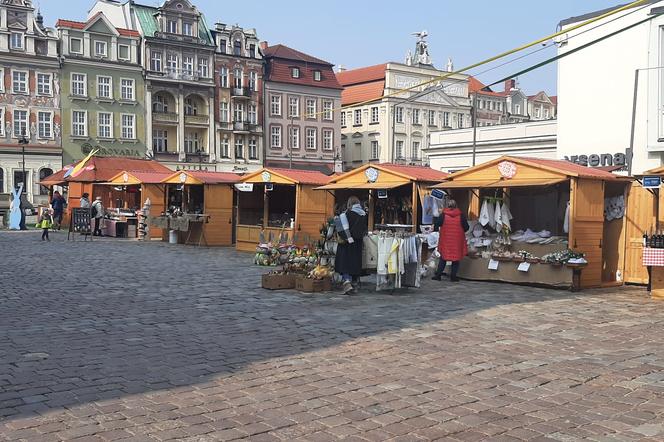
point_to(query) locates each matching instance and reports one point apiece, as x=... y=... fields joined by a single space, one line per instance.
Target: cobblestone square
x=118 y=340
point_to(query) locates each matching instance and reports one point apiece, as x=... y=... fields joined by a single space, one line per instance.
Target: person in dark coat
x=58 y=205
x=348 y=260
x=452 y=243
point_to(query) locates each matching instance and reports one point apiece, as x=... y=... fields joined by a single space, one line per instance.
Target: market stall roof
x=199 y=177
x=286 y=176
x=102 y=169
x=384 y=176
x=656 y=171
x=508 y=171
x=126 y=178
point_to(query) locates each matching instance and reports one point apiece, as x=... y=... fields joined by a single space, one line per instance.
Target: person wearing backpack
x=97 y=212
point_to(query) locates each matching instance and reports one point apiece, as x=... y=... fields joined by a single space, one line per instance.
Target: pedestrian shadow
x=93 y=321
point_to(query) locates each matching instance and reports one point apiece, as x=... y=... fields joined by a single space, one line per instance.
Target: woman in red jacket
x=452 y=241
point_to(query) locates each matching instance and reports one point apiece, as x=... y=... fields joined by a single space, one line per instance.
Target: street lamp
x=23 y=141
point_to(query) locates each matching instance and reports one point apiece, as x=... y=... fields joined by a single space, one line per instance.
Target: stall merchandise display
x=396 y=211
x=399 y=260
x=614 y=208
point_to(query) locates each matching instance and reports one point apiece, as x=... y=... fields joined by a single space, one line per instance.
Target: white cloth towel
x=506 y=216
x=566 y=222
x=484 y=214
x=498 y=217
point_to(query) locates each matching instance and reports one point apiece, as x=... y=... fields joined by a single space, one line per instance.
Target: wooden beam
x=415 y=211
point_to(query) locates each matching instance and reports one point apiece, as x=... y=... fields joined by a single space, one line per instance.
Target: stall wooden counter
x=206 y=200
x=387 y=183
x=279 y=201
x=542 y=188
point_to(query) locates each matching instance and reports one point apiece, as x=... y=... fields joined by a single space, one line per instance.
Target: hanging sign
x=493 y=264
x=524 y=267
x=371 y=174
x=652 y=182
x=507 y=169
x=125 y=177
x=245 y=187
x=266 y=176
x=382 y=193
x=183 y=177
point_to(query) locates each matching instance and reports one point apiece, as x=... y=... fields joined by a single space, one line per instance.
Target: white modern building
x=602 y=77
x=452 y=150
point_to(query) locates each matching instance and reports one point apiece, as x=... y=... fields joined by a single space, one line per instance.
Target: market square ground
x=115 y=340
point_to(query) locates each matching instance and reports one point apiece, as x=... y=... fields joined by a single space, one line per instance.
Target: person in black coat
x=348 y=260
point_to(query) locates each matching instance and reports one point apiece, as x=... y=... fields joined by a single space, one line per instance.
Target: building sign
x=452 y=88
x=245 y=187
x=266 y=176
x=507 y=169
x=652 y=182
x=599 y=160
x=371 y=174
x=86 y=148
x=240 y=169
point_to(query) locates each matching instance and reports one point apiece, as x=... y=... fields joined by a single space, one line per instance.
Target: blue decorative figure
x=15 y=209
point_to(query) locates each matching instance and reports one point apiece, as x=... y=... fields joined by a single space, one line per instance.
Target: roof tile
x=362 y=75
x=420 y=173
x=362 y=92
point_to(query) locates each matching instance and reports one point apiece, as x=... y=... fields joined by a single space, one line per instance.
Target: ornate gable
x=179 y=6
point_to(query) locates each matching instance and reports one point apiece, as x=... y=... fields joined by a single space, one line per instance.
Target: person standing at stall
x=348 y=260
x=58 y=205
x=97 y=211
x=85 y=200
x=452 y=244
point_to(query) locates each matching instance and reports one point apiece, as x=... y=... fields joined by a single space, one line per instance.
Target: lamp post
x=23 y=141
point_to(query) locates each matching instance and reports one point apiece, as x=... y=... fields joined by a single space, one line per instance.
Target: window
x=237 y=78
x=327 y=110
x=222 y=46
x=480 y=104
x=190 y=106
x=155 y=61
x=275 y=105
x=128 y=126
x=446 y=119
x=43 y=84
x=460 y=121
x=75 y=45
x=2 y=81
x=295 y=72
x=123 y=52
x=275 y=137
x=223 y=112
x=253 y=81
x=191 y=142
x=160 y=140
x=374 y=150
x=432 y=118
x=20 y=82
x=311 y=136
x=238 y=113
x=188 y=28
x=317 y=76
x=2 y=128
x=253 y=149
x=293 y=107
x=105 y=125
x=546 y=114
x=253 y=114
x=2 y=180
x=127 y=89
x=239 y=147
x=160 y=104
x=203 y=68
x=311 y=108
x=104 y=88
x=79 y=85
x=374 y=114
x=100 y=48
x=500 y=106
x=517 y=109
x=45 y=124
x=79 y=123
x=172 y=26
x=358 y=117
x=188 y=64
x=20 y=123
x=295 y=137
x=252 y=50
x=537 y=112
x=399 y=114
x=416 y=116
x=328 y=139
x=237 y=47
x=343 y=119
x=43 y=174
x=399 y=152
x=225 y=148
x=17 y=40
x=223 y=76
x=172 y=63
x=416 y=150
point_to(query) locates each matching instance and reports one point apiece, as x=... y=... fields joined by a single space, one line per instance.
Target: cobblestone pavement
x=115 y=340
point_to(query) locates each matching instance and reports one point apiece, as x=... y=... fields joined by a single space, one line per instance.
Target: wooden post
x=372 y=204
x=266 y=206
x=415 y=211
x=474 y=205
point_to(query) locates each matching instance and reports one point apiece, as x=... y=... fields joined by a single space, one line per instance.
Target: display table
x=477 y=269
x=653 y=259
x=114 y=228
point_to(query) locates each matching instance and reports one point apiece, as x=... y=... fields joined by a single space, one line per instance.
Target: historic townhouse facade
x=177 y=53
x=29 y=99
x=238 y=63
x=103 y=92
x=302 y=122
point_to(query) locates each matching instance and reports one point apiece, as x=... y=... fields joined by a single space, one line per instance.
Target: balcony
x=241 y=92
x=181 y=74
x=241 y=126
x=202 y=120
x=165 y=117
x=201 y=157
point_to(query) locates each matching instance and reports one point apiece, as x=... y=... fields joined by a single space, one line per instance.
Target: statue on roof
x=450 y=65
x=421 y=55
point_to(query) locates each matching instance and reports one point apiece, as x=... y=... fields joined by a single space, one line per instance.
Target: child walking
x=45 y=223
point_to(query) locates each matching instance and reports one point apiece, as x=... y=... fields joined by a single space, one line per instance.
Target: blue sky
x=364 y=32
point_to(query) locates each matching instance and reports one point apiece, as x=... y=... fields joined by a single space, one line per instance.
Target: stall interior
x=185 y=199
x=273 y=202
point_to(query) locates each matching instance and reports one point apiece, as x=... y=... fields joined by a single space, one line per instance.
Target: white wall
x=595 y=90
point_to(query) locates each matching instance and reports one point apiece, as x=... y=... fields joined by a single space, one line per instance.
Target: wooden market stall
x=537 y=192
x=389 y=191
x=281 y=201
x=128 y=191
x=199 y=206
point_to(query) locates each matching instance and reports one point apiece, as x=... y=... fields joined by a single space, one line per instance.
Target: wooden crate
x=278 y=282
x=313 y=285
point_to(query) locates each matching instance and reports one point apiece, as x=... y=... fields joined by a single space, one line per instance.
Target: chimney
x=510 y=84
x=341 y=68
x=264 y=45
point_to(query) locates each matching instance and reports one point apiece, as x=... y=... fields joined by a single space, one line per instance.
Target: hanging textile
x=498 y=217
x=427 y=210
x=370 y=252
x=566 y=222
x=506 y=216
x=484 y=214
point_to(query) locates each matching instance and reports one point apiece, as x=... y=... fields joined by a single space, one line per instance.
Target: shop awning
x=479 y=184
x=362 y=186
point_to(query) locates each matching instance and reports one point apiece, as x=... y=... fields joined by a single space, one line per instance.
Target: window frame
x=190 y=25
x=399 y=114
x=375 y=115
x=308 y=138
x=21 y=39
x=343 y=119
x=376 y=156
x=133 y=127
x=128 y=58
x=224 y=148
x=277 y=103
x=204 y=64
x=399 y=150
x=295 y=72
x=318 y=75
x=278 y=136
x=252 y=147
x=415 y=152
x=224 y=107
x=123 y=88
x=100 y=125
x=169 y=29
x=293 y=138
x=74 y=123
x=2 y=123
x=160 y=135
x=80 y=45
x=223 y=77
x=104 y=45
x=357 y=117
x=100 y=85
x=50 y=125
x=325 y=131
x=154 y=59
x=25 y=130
x=416 y=120
x=239 y=143
x=49 y=83
x=295 y=114
x=25 y=82
x=84 y=83
x=328 y=107
x=310 y=115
